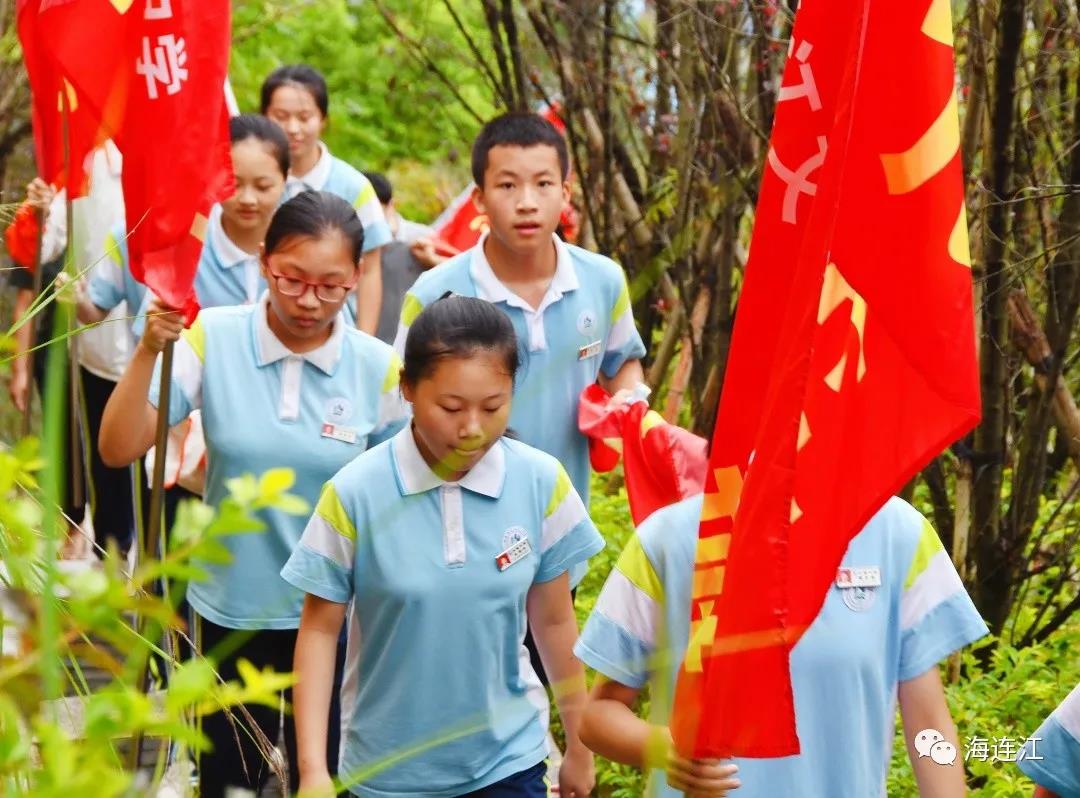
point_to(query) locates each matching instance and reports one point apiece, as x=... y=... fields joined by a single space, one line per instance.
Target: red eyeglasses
x=294 y=286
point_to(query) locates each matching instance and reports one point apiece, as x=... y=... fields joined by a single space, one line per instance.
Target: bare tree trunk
x=993 y=544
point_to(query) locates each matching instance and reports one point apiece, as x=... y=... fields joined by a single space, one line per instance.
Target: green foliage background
x=387 y=112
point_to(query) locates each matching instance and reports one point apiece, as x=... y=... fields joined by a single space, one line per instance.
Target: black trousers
x=234 y=760
x=109 y=490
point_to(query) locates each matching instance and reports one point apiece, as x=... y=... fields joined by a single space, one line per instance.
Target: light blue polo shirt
x=1051 y=756
x=845 y=669
x=111 y=282
x=583 y=326
x=438 y=686
x=226 y=275
x=264 y=407
x=334 y=175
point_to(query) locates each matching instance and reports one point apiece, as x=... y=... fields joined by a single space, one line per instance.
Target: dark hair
x=312 y=214
x=383 y=190
x=254 y=126
x=517 y=129
x=296 y=75
x=457 y=326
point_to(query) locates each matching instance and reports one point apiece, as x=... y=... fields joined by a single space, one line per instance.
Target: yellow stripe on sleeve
x=622 y=304
x=559 y=492
x=331 y=510
x=929 y=545
x=634 y=564
x=366 y=195
x=112 y=249
x=195 y=336
x=411 y=307
x=393 y=374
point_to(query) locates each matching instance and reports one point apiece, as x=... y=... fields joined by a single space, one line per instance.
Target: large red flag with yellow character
x=853 y=360
x=155 y=72
x=54 y=104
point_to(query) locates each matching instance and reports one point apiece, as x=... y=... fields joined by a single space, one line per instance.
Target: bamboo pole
x=149 y=547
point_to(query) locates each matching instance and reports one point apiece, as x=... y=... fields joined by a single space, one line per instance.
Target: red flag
x=50 y=93
x=155 y=72
x=662 y=462
x=852 y=364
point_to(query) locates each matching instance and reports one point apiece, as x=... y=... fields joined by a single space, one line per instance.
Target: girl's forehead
x=322 y=254
x=293 y=97
x=252 y=151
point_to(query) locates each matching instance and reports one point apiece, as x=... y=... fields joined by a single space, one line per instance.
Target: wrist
x=144 y=350
x=657 y=745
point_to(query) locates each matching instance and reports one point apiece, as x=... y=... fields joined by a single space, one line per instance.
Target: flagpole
x=153 y=528
x=74 y=436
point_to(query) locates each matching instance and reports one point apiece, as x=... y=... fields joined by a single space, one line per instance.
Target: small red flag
x=662 y=463
x=155 y=72
x=51 y=97
x=853 y=360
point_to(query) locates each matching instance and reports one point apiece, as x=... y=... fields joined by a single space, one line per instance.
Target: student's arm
x=922 y=706
x=554 y=627
x=369 y=292
x=85 y=310
x=612 y=729
x=129 y=423
x=19 y=387
x=313 y=664
x=625 y=379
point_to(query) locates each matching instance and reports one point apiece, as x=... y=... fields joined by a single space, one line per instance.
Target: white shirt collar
x=489 y=287
x=317 y=176
x=225 y=250
x=415 y=475
x=270 y=349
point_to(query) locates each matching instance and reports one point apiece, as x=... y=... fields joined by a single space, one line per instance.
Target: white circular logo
x=338 y=410
x=514 y=534
x=858 y=599
x=586 y=322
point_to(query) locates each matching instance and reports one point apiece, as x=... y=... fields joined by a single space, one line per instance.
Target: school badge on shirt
x=336 y=412
x=858 y=586
x=516 y=547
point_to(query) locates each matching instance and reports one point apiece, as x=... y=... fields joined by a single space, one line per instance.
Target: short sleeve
x=623 y=341
x=376 y=230
x=189 y=354
x=411 y=307
x=1051 y=756
x=620 y=636
x=393 y=409
x=106 y=286
x=322 y=563
x=568 y=535
x=937 y=616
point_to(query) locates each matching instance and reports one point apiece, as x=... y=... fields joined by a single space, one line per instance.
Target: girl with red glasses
x=285 y=382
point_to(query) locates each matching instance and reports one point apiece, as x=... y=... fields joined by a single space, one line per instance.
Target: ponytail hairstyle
x=458 y=326
x=271 y=136
x=312 y=214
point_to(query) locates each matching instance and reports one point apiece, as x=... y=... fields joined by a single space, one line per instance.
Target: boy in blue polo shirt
x=570 y=307
x=869 y=649
x=1051 y=756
